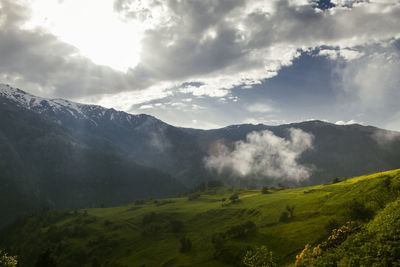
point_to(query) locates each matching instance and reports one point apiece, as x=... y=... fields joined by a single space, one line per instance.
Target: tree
x=335 y=180
x=290 y=209
x=265 y=190
x=234 y=197
x=46 y=259
x=258 y=257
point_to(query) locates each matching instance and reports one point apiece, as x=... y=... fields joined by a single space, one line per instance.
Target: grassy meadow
x=205 y=228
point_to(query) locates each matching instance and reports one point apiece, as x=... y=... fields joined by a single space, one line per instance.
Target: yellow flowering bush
x=258 y=257
x=337 y=237
x=6 y=260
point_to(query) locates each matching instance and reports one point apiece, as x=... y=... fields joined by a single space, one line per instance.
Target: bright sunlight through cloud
x=92 y=27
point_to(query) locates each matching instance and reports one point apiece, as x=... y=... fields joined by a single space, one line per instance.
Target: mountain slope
x=43 y=164
x=149 y=233
x=338 y=151
x=146 y=139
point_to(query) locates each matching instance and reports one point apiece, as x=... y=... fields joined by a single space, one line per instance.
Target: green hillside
x=211 y=229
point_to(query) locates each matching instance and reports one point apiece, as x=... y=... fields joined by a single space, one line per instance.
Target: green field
x=148 y=233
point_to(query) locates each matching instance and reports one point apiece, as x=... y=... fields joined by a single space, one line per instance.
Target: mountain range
x=61 y=154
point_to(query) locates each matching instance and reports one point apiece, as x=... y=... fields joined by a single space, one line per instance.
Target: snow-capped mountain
x=338 y=150
x=144 y=138
x=62 y=111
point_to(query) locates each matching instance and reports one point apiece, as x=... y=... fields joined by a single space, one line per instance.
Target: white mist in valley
x=264 y=154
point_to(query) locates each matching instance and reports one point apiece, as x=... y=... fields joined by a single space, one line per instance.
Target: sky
x=210 y=63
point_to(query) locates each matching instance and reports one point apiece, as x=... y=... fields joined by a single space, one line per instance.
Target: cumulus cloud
x=251 y=39
x=218 y=44
x=371 y=82
x=264 y=154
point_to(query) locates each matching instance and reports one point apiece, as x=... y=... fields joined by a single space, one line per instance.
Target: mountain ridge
x=79 y=109
x=50 y=137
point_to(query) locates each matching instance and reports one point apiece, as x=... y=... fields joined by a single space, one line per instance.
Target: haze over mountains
x=62 y=154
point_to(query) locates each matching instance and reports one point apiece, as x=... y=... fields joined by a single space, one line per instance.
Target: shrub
x=46 y=259
x=240 y=230
x=193 y=196
x=358 y=211
x=177 y=226
x=281 y=187
x=186 y=244
x=7 y=261
x=332 y=224
x=284 y=217
x=149 y=218
x=139 y=202
x=259 y=256
x=337 y=237
x=215 y=184
x=335 y=180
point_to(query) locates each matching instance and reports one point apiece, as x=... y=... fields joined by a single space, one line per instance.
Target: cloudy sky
x=210 y=63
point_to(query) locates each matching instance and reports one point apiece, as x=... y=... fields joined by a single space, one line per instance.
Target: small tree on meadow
x=234 y=197
x=265 y=190
x=290 y=209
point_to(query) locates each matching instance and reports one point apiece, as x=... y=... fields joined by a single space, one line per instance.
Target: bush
x=149 y=218
x=46 y=259
x=335 y=180
x=337 y=237
x=177 y=226
x=259 y=256
x=284 y=217
x=215 y=184
x=193 y=196
x=332 y=225
x=7 y=261
x=186 y=244
x=139 y=202
x=358 y=211
x=240 y=230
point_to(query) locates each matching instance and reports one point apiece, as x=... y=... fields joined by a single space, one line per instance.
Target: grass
x=115 y=235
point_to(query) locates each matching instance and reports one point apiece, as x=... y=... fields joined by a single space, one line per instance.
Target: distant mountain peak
x=61 y=108
x=39 y=104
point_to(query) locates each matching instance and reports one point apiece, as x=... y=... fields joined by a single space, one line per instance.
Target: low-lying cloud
x=264 y=154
